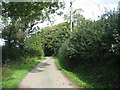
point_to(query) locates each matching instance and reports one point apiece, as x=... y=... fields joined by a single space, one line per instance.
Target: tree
x=77 y=17
x=53 y=37
x=22 y=16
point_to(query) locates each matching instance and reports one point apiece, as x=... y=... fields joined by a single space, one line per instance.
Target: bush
x=10 y=54
x=53 y=37
x=34 y=46
x=92 y=52
x=95 y=42
x=67 y=55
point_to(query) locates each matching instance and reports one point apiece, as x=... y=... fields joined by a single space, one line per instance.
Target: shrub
x=34 y=46
x=53 y=37
x=10 y=54
x=95 y=42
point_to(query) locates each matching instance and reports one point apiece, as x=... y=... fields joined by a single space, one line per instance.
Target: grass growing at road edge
x=71 y=75
x=13 y=73
x=89 y=76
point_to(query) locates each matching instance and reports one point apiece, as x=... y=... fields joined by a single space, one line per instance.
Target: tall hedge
x=96 y=41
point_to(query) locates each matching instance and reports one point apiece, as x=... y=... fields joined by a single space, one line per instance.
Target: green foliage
x=53 y=37
x=95 y=41
x=59 y=37
x=19 y=19
x=33 y=46
x=8 y=53
x=89 y=75
x=77 y=18
x=93 y=45
x=29 y=11
x=92 y=50
x=13 y=73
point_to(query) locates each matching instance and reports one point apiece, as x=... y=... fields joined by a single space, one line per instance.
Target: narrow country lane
x=46 y=75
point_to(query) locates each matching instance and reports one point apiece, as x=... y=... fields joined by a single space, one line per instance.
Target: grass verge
x=89 y=76
x=13 y=73
x=70 y=74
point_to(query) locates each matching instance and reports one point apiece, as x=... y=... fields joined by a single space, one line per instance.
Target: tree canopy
x=22 y=16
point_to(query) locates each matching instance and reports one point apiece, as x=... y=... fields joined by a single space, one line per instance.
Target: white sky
x=1 y=42
x=92 y=8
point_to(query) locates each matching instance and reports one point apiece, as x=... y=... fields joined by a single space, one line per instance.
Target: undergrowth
x=92 y=76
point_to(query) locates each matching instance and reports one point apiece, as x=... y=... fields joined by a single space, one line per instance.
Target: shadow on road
x=40 y=67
